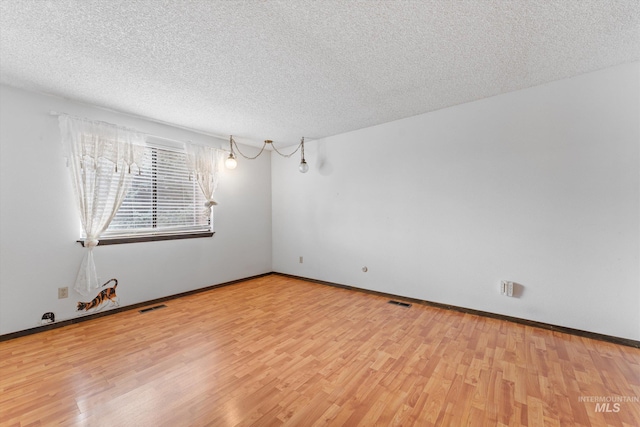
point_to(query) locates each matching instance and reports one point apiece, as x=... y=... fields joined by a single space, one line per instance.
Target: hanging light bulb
x=231 y=162
x=304 y=167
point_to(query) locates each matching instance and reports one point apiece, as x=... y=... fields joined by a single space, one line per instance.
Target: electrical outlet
x=63 y=293
x=506 y=288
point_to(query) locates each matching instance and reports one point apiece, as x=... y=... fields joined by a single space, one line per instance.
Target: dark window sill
x=154 y=238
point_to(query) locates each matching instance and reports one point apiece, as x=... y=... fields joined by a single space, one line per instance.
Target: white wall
x=39 y=223
x=538 y=186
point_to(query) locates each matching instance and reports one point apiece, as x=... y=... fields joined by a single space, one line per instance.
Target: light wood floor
x=278 y=351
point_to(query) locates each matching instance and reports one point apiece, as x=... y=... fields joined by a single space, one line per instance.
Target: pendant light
x=231 y=162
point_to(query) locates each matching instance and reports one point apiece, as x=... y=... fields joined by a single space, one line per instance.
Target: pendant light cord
x=234 y=144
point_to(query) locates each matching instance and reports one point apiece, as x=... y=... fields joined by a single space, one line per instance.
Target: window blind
x=163 y=199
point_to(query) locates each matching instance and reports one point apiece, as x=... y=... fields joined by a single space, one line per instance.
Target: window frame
x=152 y=143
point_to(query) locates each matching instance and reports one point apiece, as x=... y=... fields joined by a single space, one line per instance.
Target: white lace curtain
x=204 y=165
x=102 y=158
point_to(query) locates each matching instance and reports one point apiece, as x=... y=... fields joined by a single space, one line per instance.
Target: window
x=163 y=202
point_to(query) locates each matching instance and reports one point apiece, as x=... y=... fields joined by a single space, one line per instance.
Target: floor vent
x=146 y=310
x=401 y=304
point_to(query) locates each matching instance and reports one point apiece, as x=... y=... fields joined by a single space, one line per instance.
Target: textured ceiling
x=283 y=69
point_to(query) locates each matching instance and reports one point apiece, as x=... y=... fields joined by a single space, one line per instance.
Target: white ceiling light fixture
x=231 y=162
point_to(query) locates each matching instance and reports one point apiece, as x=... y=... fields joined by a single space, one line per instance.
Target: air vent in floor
x=146 y=310
x=401 y=304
